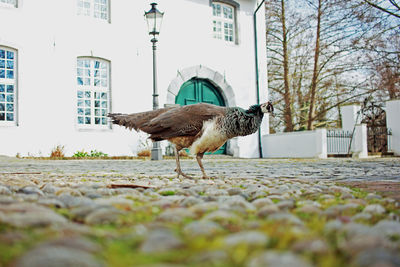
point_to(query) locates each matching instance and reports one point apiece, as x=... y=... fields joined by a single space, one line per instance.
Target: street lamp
x=154 y=19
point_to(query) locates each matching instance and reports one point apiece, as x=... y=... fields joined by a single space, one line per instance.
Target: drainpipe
x=257 y=76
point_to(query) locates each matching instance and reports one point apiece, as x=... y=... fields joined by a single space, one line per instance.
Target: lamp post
x=154 y=19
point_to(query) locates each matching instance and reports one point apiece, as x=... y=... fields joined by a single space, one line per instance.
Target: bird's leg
x=199 y=157
x=178 y=169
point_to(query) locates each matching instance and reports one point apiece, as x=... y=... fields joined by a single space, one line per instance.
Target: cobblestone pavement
x=256 y=212
x=375 y=169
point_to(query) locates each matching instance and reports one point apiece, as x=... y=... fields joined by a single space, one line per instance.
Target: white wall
x=304 y=144
x=49 y=37
x=393 y=122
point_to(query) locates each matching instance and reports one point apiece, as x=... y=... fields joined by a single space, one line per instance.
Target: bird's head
x=267 y=107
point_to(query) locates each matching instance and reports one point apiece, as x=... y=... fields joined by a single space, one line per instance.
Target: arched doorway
x=200 y=91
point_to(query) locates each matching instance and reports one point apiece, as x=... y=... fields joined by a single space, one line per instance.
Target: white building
x=65 y=64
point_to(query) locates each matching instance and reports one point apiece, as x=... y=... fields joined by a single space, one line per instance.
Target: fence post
x=359 y=145
x=349 y=116
x=393 y=123
x=322 y=144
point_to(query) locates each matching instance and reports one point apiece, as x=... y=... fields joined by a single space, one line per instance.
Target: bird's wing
x=183 y=121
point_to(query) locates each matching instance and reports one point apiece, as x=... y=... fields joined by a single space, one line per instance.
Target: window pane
x=2 y=97
x=10 y=107
x=10 y=74
x=10 y=88
x=2 y=63
x=2 y=107
x=2 y=87
x=80 y=111
x=80 y=120
x=2 y=73
x=10 y=98
x=2 y=116
x=80 y=94
x=10 y=64
x=10 y=55
x=2 y=53
x=97 y=120
x=10 y=116
x=87 y=120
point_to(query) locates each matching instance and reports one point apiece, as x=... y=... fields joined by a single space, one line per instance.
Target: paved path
x=375 y=169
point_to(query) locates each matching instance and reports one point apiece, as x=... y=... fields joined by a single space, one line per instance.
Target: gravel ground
x=255 y=212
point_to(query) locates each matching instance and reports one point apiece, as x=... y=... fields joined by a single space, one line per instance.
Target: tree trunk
x=287 y=96
x=311 y=112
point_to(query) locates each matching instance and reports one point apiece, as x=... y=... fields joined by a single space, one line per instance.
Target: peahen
x=200 y=127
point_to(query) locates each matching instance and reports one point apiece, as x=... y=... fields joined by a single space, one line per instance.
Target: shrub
x=80 y=154
x=93 y=154
x=97 y=154
x=144 y=153
x=57 y=152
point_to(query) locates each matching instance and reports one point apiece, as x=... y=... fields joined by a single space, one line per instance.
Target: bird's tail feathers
x=135 y=121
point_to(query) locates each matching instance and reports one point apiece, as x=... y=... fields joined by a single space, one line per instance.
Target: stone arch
x=201 y=72
x=216 y=79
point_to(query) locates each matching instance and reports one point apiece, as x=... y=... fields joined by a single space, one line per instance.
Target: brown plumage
x=201 y=127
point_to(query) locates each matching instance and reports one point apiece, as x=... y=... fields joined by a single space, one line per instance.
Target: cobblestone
x=254 y=213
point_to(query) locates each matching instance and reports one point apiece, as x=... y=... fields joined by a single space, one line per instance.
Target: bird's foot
x=179 y=172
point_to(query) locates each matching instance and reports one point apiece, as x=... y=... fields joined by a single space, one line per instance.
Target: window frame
x=92 y=10
x=93 y=89
x=14 y=82
x=235 y=7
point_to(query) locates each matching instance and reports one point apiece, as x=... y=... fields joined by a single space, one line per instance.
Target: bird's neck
x=254 y=110
x=240 y=122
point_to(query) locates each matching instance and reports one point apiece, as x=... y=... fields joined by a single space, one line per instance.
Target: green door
x=200 y=91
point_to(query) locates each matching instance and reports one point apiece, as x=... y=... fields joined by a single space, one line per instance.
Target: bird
x=200 y=127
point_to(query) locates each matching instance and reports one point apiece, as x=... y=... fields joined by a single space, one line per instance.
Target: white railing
x=338 y=142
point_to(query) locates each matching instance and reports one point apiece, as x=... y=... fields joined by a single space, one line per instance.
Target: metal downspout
x=257 y=76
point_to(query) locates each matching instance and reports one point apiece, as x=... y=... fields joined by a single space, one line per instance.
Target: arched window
x=93 y=93
x=94 y=8
x=8 y=86
x=224 y=21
